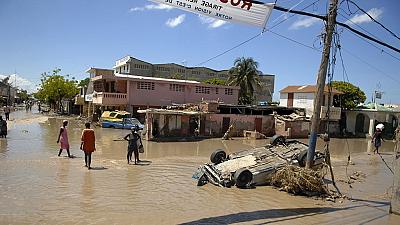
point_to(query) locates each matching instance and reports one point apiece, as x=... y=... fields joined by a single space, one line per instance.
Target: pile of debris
x=300 y=181
x=292 y=117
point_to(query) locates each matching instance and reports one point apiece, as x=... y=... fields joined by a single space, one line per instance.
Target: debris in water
x=299 y=180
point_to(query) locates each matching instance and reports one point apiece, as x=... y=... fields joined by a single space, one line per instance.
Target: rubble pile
x=300 y=181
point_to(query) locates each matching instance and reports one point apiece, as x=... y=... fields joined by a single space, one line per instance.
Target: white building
x=303 y=97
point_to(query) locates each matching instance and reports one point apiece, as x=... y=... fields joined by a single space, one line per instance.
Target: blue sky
x=37 y=36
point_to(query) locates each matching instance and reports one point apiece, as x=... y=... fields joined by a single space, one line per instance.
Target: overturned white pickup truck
x=256 y=166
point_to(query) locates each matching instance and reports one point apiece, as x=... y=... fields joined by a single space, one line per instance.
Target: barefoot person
x=63 y=138
x=88 y=144
x=134 y=142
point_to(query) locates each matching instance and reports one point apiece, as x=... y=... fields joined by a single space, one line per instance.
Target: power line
x=380 y=49
x=374 y=19
x=339 y=23
x=257 y=35
x=370 y=65
x=226 y=51
x=292 y=40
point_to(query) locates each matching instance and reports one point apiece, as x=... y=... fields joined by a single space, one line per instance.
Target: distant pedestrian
x=7 y=111
x=63 y=138
x=88 y=144
x=3 y=128
x=377 y=138
x=134 y=143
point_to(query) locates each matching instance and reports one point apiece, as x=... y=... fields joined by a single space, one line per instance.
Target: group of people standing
x=88 y=141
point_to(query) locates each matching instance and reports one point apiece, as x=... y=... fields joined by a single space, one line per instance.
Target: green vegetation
x=84 y=83
x=351 y=97
x=177 y=76
x=22 y=95
x=245 y=75
x=215 y=81
x=54 y=88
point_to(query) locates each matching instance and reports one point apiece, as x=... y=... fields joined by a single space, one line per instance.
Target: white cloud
x=20 y=82
x=173 y=22
x=364 y=18
x=152 y=7
x=304 y=23
x=211 y=22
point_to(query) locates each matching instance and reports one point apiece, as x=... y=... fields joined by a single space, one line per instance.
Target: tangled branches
x=299 y=180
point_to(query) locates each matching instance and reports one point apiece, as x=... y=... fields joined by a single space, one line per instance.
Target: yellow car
x=115 y=116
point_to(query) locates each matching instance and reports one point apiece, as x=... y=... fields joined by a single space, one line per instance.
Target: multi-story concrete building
x=111 y=90
x=133 y=66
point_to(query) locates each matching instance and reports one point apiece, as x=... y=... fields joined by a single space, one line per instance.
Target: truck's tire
x=243 y=178
x=278 y=140
x=302 y=158
x=218 y=156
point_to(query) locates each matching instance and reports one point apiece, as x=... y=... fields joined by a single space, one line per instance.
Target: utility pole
x=321 y=82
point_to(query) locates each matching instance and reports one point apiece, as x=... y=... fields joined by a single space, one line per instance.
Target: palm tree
x=245 y=75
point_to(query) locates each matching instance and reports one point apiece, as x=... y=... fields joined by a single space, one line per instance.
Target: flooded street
x=37 y=187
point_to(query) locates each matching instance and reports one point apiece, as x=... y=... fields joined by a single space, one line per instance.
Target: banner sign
x=242 y=11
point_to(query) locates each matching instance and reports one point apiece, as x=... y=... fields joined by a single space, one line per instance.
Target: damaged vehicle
x=253 y=167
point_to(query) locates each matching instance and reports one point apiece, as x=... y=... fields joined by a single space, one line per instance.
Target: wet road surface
x=37 y=187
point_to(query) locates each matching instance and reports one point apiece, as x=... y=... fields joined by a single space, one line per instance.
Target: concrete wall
x=213 y=124
x=162 y=95
x=370 y=118
x=292 y=129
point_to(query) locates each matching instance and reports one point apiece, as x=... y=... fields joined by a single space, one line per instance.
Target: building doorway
x=290 y=100
x=258 y=124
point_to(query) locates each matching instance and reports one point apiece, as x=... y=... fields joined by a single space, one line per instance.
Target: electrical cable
x=380 y=49
x=373 y=19
x=257 y=35
x=370 y=65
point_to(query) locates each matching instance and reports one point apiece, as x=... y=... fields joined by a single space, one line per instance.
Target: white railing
x=107 y=98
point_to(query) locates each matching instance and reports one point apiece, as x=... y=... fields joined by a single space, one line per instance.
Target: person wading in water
x=377 y=138
x=88 y=144
x=134 y=142
x=63 y=139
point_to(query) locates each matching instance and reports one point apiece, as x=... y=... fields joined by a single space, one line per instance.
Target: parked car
x=116 y=116
x=256 y=166
x=126 y=123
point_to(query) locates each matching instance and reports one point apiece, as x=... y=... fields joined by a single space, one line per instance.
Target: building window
x=216 y=90
x=176 y=87
x=228 y=91
x=202 y=90
x=302 y=99
x=195 y=72
x=145 y=85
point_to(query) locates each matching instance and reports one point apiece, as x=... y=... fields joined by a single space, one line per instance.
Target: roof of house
x=144 y=78
x=307 y=89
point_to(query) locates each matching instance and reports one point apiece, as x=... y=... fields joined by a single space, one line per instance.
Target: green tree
x=54 y=88
x=23 y=95
x=84 y=83
x=244 y=74
x=176 y=76
x=352 y=95
x=215 y=81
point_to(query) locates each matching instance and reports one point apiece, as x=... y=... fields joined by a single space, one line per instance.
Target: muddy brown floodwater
x=37 y=187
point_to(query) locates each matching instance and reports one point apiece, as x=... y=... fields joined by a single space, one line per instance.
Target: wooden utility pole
x=321 y=81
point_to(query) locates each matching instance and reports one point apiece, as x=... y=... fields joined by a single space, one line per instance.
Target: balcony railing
x=334 y=112
x=106 y=98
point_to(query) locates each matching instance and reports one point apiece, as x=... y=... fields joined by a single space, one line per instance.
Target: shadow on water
x=278 y=214
x=99 y=168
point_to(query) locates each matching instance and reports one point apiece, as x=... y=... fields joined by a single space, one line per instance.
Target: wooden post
x=321 y=82
x=395 y=201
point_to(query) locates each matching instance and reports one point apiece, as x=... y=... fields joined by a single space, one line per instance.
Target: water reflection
x=50 y=189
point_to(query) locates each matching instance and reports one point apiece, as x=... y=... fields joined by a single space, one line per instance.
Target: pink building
x=130 y=92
